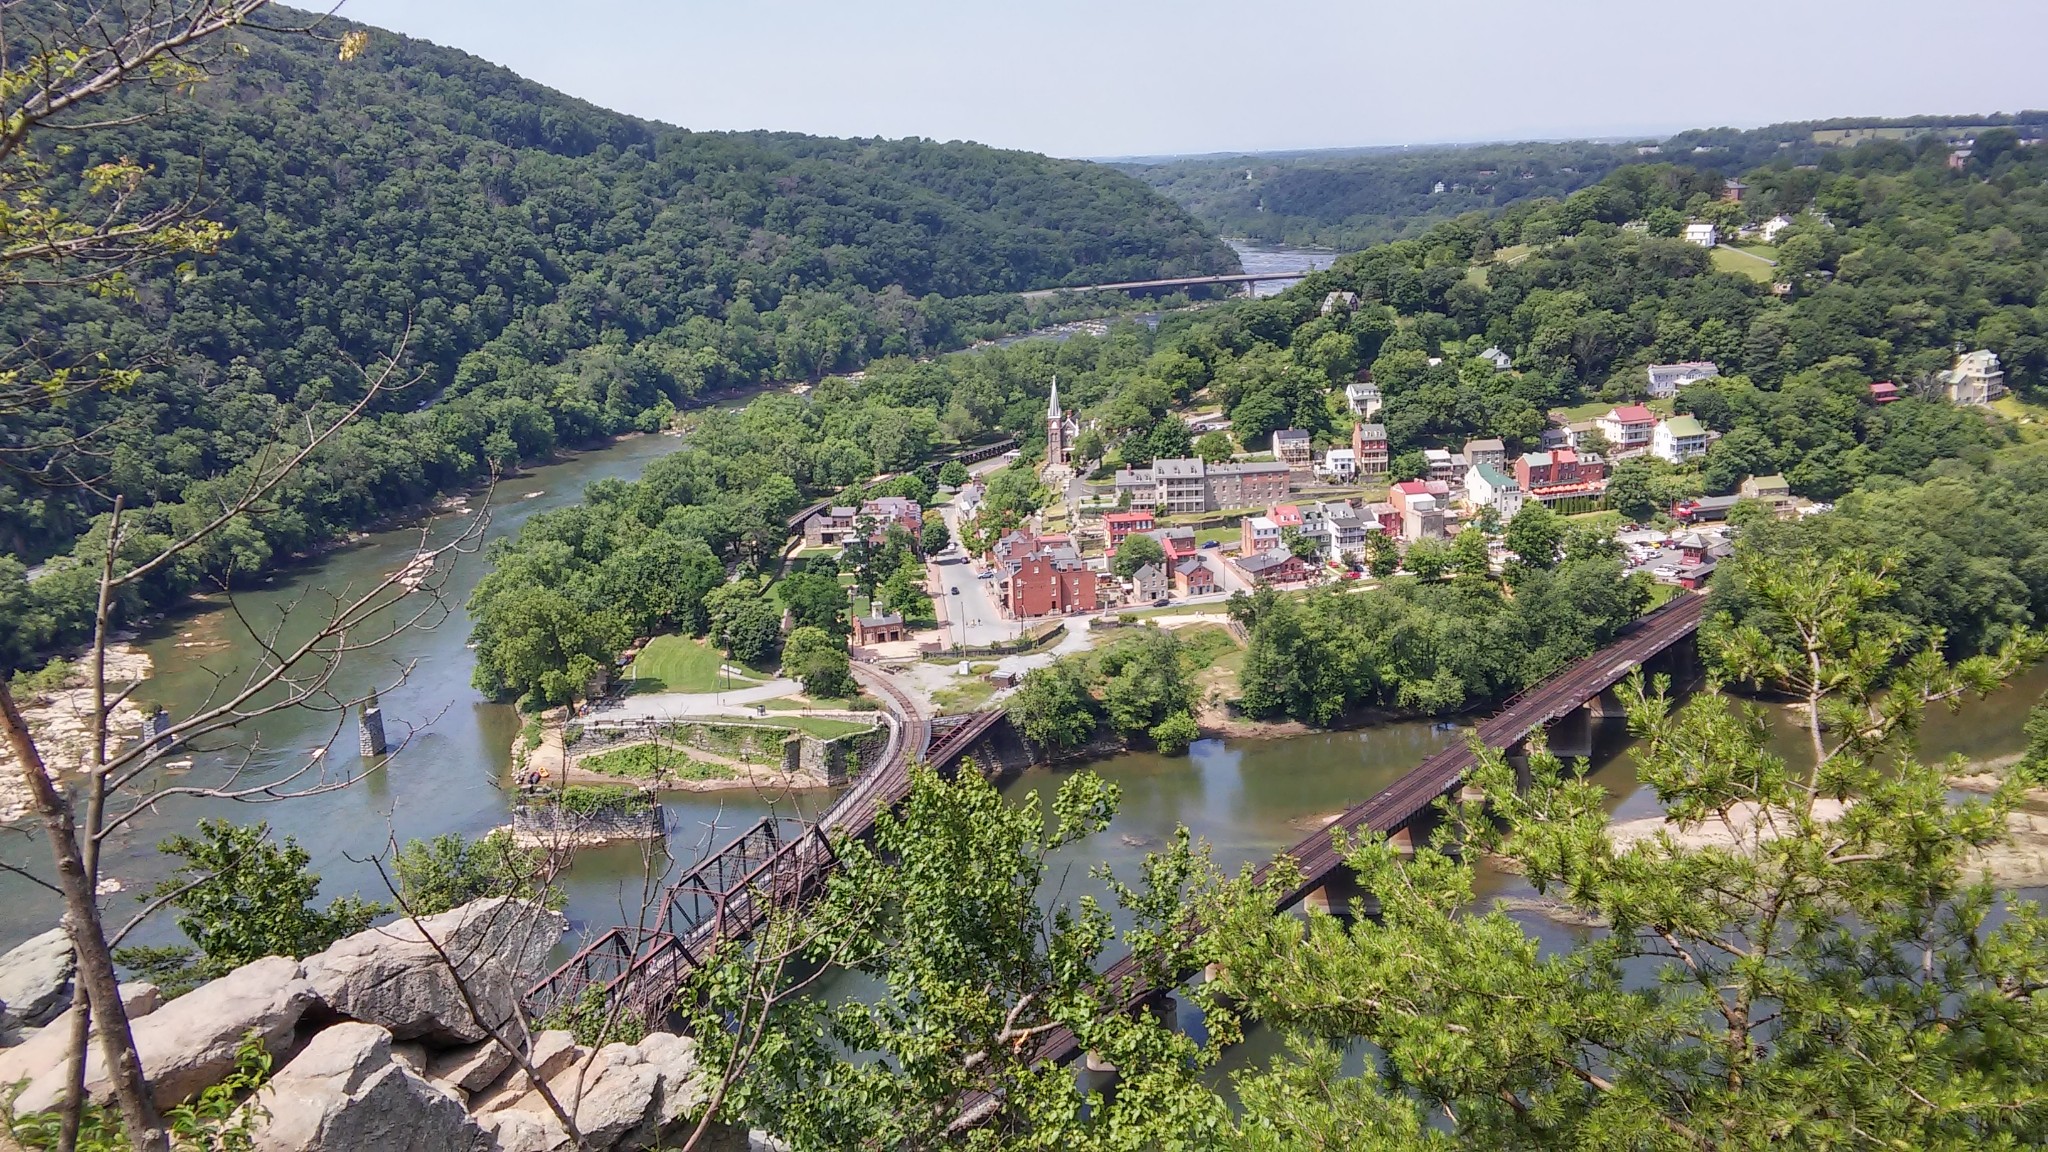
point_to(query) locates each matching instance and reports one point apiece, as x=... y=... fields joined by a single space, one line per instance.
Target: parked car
x=1212 y=543
x=1161 y=602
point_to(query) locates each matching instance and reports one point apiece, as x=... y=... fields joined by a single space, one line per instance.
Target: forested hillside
x=1349 y=199
x=553 y=271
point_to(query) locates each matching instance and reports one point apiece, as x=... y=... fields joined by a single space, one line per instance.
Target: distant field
x=682 y=664
x=1741 y=263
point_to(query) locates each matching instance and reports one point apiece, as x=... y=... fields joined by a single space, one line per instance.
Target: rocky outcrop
x=376 y=1047
x=189 y=1044
x=345 y=1092
x=35 y=981
x=399 y=976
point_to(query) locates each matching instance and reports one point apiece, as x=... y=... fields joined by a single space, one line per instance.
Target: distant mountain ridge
x=1351 y=197
x=526 y=245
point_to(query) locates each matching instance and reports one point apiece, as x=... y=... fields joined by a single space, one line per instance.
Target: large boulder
x=624 y=1098
x=35 y=981
x=399 y=976
x=48 y=1047
x=345 y=1092
x=187 y=1045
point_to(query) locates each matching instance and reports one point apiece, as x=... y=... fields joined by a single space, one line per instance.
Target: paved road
x=669 y=705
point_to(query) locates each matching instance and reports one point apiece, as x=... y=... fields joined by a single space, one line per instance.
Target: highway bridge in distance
x=1245 y=278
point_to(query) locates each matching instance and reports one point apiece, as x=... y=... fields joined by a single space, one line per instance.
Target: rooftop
x=1684 y=426
x=1632 y=414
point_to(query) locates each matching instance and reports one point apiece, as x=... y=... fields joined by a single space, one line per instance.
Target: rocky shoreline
x=62 y=723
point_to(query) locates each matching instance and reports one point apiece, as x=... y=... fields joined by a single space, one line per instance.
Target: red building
x=1560 y=474
x=1278 y=567
x=1177 y=543
x=1399 y=494
x=1883 y=392
x=1194 y=577
x=1121 y=525
x=1047 y=583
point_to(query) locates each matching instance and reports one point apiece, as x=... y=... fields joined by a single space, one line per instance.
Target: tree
x=451 y=870
x=1087 y=446
x=1177 y=733
x=1215 y=447
x=815 y=600
x=1630 y=490
x=1382 y=555
x=963 y=989
x=1756 y=973
x=936 y=537
x=1428 y=558
x=1052 y=708
x=1535 y=535
x=1143 y=681
x=1300 y=545
x=240 y=897
x=818 y=660
x=744 y=621
x=954 y=474
x=1134 y=553
x=1469 y=555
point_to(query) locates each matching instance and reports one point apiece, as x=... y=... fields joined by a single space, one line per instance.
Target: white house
x=1678 y=439
x=1773 y=226
x=1363 y=397
x=1977 y=378
x=1703 y=234
x=1339 y=464
x=1486 y=486
x=1500 y=360
x=1627 y=428
x=1667 y=379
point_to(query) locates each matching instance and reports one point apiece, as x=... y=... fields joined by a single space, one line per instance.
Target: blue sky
x=1124 y=77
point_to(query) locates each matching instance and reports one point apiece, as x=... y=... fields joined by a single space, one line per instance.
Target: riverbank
x=61 y=721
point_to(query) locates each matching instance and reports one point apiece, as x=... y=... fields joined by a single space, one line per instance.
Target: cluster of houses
x=834 y=526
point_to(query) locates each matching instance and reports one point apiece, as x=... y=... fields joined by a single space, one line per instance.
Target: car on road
x=956 y=589
x=1161 y=602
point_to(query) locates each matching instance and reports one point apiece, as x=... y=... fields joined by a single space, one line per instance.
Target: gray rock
x=345 y=1092
x=553 y=1054
x=620 y=1107
x=187 y=1045
x=395 y=976
x=524 y=1131
x=40 y=1048
x=469 y=1069
x=35 y=980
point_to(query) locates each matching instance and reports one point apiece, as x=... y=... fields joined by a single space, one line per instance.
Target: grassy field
x=2032 y=417
x=968 y=694
x=1662 y=594
x=649 y=761
x=799 y=703
x=682 y=664
x=1743 y=263
x=823 y=727
x=1230 y=535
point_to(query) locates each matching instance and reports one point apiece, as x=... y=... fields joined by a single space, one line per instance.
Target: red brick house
x=869 y=630
x=1276 y=567
x=1560 y=474
x=1049 y=583
x=1194 y=577
x=1120 y=525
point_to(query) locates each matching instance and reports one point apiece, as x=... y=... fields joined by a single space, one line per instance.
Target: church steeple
x=1057 y=445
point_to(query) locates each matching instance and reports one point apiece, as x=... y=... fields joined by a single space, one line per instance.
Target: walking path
x=674 y=705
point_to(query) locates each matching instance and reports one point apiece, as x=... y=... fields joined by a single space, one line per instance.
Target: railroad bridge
x=1248 y=279
x=726 y=895
x=1564 y=705
x=777 y=861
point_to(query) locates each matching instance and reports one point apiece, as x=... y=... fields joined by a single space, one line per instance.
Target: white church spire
x=1052 y=410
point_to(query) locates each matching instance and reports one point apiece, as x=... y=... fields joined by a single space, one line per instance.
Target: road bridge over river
x=1167 y=285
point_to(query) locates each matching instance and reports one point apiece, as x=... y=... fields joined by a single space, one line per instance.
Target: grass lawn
x=1598 y=521
x=2031 y=416
x=1176 y=610
x=798 y=704
x=682 y=664
x=1741 y=263
x=1662 y=594
x=1230 y=535
x=823 y=727
x=649 y=761
x=970 y=694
